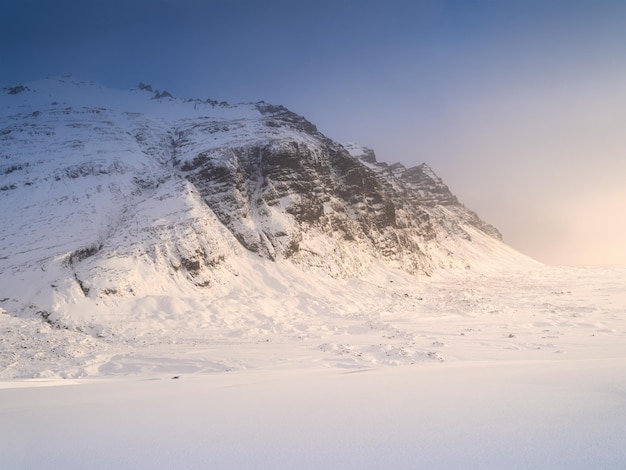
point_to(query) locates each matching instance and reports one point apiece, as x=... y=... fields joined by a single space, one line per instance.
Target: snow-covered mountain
x=147 y=236
x=126 y=201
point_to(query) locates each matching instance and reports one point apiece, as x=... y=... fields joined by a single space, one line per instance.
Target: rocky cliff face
x=422 y=186
x=292 y=193
x=111 y=195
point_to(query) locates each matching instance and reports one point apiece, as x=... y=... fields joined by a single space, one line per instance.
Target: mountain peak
x=115 y=195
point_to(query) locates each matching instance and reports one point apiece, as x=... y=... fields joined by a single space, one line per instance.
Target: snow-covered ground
x=525 y=369
x=136 y=331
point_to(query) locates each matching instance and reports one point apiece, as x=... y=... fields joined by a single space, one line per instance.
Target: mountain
x=135 y=203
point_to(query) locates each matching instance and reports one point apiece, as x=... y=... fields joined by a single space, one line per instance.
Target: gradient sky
x=520 y=106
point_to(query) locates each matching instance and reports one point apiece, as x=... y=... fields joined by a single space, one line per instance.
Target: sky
x=520 y=105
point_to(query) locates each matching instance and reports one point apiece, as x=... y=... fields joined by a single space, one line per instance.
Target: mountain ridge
x=118 y=196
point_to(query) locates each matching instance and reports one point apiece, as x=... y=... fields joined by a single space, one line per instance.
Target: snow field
x=522 y=370
x=464 y=415
x=272 y=314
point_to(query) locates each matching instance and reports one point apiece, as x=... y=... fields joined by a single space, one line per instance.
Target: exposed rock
x=120 y=196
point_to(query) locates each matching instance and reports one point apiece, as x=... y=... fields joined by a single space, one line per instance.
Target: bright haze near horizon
x=520 y=106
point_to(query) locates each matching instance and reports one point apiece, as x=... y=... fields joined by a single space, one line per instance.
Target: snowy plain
x=522 y=369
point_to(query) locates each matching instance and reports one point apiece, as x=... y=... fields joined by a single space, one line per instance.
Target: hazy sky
x=520 y=106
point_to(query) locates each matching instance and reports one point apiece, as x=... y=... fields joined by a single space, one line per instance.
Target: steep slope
x=111 y=198
x=421 y=184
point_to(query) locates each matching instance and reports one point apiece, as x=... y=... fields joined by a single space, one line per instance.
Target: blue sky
x=520 y=106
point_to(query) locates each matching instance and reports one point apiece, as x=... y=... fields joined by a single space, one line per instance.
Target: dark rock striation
x=291 y=184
